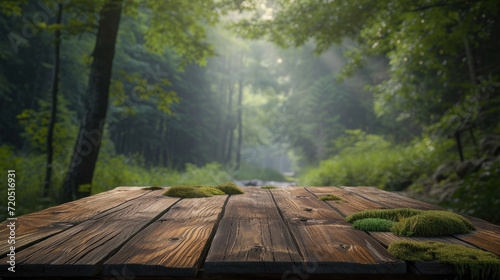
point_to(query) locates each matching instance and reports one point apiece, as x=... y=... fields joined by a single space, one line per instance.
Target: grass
x=388 y=214
x=230 y=188
x=330 y=197
x=413 y=222
x=479 y=264
x=200 y=191
x=268 y=187
x=373 y=224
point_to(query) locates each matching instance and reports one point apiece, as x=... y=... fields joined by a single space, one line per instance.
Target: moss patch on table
x=373 y=224
x=331 y=197
x=268 y=187
x=201 y=191
x=479 y=264
x=412 y=222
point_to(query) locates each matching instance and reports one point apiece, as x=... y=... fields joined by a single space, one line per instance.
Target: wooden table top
x=282 y=233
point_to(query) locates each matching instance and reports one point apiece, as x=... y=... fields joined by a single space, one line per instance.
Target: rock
x=467 y=167
x=444 y=171
x=490 y=145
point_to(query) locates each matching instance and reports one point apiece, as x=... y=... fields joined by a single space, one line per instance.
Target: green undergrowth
x=412 y=222
x=373 y=224
x=268 y=187
x=203 y=191
x=479 y=264
x=331 y=197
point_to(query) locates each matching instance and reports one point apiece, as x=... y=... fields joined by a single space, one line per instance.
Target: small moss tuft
x=268 y=187
x=153 y=188
x=330 y=197
x=229 y=188
x=388 y=214
x=373 y=224
x=188 y=192
x=432 y=223
x=478 y=263
x=212 y=190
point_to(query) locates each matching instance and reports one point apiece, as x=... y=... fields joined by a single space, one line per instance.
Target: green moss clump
x=153 y=188
x=388 y=214
x=329 y=197
x=188 y=192
x=268 y=187
x=373 y=224
x=229 y=188
x=478 y=263
x=432 y=223
x=212 y=190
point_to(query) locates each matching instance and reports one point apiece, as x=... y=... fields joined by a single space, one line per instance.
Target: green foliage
x=479 y=195
x=466 y=261
x=230 y=188
x=330 y=197
x=387 y=214
x=249 y=172
x=432 y=223
x=373 y=224
x=371 y=160
x=268 y=187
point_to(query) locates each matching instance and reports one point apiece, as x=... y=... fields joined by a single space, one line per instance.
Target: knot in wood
x=308 y=209
x=174 y=238
x=258 y=248
x=345 y=246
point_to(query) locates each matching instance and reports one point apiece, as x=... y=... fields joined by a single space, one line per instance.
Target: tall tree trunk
x=240 y=124
x=53 y=108
x=78 y=180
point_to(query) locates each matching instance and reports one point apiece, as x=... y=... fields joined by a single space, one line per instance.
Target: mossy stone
x=153 y=188
x=212 y=190
x=268 y=187
x=465 y=260
x=373 y=224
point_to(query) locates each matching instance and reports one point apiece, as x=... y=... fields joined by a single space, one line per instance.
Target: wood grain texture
x=354 y=203
x=80 y=250
x=252 y=237
x=34 y=227
x=327 y=242
x=486 y=236
x=173 y=245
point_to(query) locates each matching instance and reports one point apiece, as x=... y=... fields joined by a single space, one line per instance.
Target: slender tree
x=79 y=177
x=53 y=108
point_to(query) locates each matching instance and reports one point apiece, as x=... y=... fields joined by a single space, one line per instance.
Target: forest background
x=400 y=95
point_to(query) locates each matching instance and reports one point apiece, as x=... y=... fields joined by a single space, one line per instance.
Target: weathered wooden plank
x=173 y=245
x=486 y=236
x=80 y=250
x=327 y=242
x=389 y=199
x=252 y=238
x=354 y=203
x=34 y=227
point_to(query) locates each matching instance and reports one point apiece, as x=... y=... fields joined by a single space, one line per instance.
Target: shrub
x=373 y=224
x=478 y=263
